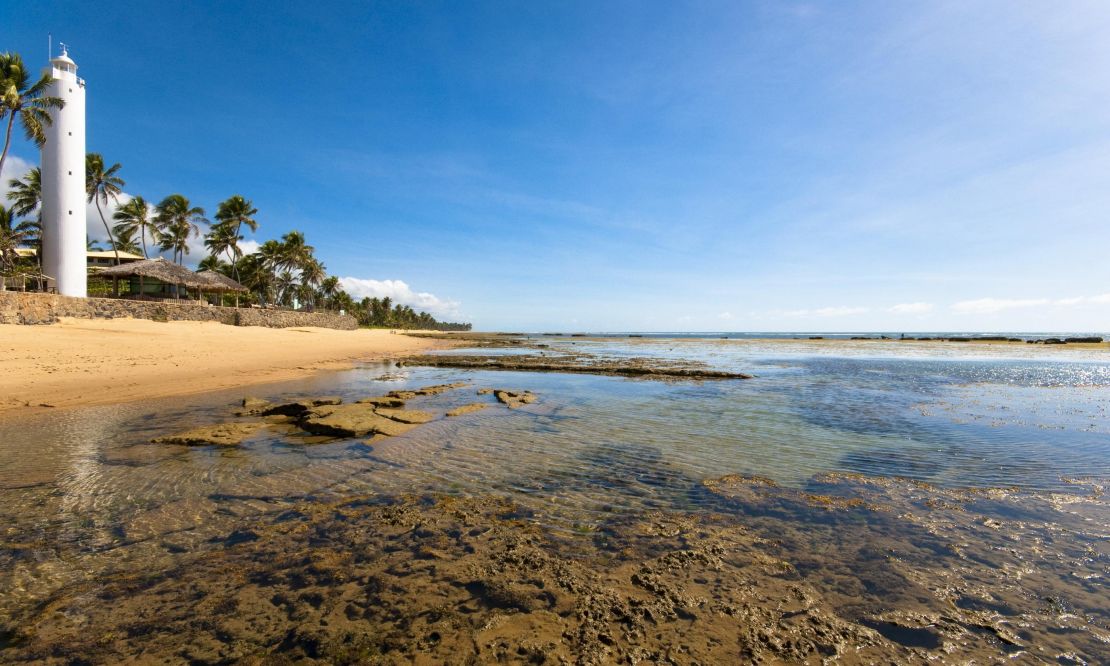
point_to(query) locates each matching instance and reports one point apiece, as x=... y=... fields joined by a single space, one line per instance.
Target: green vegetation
x=282 y=273
x=28 y=102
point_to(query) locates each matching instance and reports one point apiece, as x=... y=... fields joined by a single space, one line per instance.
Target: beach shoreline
x=80 y=362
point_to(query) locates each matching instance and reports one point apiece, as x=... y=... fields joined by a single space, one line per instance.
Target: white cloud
x=14 y=167
x=401 y=293
x=726 y=316
x=911 y=308
x=249 y=246
x=841 y=311
x=992 y=305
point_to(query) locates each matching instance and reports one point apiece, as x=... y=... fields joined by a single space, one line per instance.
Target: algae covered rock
x=220 y=434
x=514 y=399
x=467 y=409
x=405 y=415
x=383 y=401
x=354 y=420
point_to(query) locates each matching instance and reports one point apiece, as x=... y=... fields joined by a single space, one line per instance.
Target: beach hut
x=221 y=284
x=155 y=278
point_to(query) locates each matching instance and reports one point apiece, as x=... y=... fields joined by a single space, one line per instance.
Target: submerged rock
x=354 y=420
x=383 y=401
x=427 y=390
x=220 y=434
x=467 y=409
x=405 y=415
x=253 y=406
x=514 y=399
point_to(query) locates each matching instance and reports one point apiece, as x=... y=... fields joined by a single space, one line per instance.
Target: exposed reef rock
x=514 y=399
x=355 y=420
x=220 y=434
x=647 y=368
x=427 y=390
x=467 y=409
x=414 y=416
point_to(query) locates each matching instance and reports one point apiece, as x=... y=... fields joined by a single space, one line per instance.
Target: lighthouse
x=63 y=181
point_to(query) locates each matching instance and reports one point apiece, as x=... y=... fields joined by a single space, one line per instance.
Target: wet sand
x=81 y=362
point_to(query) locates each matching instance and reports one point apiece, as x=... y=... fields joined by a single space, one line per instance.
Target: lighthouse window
x=71 y=212
x=71 y=173
x=69 y=133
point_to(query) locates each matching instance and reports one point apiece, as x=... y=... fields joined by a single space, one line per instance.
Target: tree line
x=283 y=272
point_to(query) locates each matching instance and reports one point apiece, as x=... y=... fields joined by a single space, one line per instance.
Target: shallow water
x=83 y=492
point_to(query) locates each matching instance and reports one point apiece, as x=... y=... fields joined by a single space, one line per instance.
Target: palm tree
x=26 y=198
x=12 y=236
x=329 y=287
x=134 y=216
x=237 y=211
x=285 y=283
x=26 y=194
x=101 y=186
x=29 y=102
x=295 y=252
x=125 y=239
x=312 y=273
x=179 y=220
x=221 y=239
x=214 y=263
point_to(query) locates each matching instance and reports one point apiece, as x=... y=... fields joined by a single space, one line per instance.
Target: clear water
x=84 y=492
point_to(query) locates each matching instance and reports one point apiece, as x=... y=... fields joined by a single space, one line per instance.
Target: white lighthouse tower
x=63 y=181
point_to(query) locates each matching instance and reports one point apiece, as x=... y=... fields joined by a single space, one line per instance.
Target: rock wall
x=33 y=308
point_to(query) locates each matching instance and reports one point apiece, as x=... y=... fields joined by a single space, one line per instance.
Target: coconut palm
x=26 y=193
x=213 y=263
x=101 y=185
x=294 y=250
x=179 y=220
x=285 y=283
x=221 y=239
x=12 y=236
x=237 y=211
x=124 y=240
x=135 y=217
x=29 y=102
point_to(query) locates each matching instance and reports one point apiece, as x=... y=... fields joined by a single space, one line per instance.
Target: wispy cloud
x=838 y=311
x=992 y=305
x=726 y=316
x=911 y=308
x=400 y=292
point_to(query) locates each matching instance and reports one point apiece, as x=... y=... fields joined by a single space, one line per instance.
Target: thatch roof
x=220 y=282
x=159 y=269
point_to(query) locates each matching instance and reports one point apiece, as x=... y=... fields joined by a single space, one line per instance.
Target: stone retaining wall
x=34 y=308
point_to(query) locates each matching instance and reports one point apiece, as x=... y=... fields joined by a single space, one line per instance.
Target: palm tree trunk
x=7 y=141
x=142 y=234
x=111 y=240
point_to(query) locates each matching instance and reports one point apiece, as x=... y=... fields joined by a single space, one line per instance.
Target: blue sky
x=633 y=166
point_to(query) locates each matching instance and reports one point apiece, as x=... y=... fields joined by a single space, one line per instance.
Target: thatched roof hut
x=220 y=282
x=159 y=269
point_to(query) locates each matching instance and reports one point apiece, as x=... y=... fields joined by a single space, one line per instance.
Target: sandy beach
x=85 y=362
